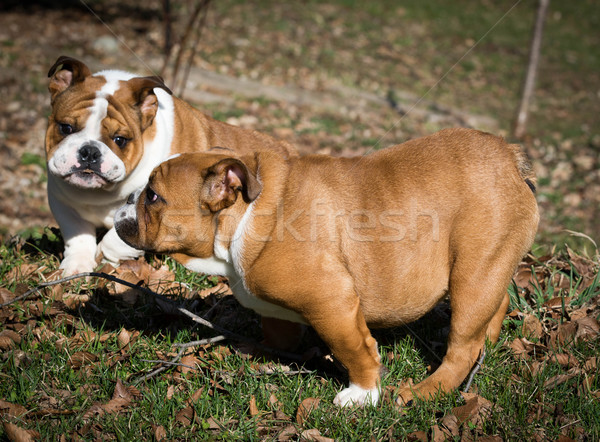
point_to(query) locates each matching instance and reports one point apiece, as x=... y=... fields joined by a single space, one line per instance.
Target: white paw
x=112 y=249
x=355 y=395
x=81 y=262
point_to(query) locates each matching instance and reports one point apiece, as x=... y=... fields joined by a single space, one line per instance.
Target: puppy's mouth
x=86 y=179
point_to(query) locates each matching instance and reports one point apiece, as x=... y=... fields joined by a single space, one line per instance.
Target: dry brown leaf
x=8 y=339
x=314 y=435
x=185 y=416
x=523 y=277
x=81 y=358
x=219 y=289
x=563 y=359
x=213 y=424
x=11 y=410
x=123 y=338
x=128 y=295
x=287 y=433
x=18 y=434
x=6 y=295
x=450 y=423
x=160 y=278
x=564 y=335
x=74 y=300
x=587 y=328
x=274 y=402
x=253 y=408
x=170 y=392
x=440 y=435
x=122 y=397
x=581 y=312
x=590 y=364
x=475 y=410
x=196 y=396
x=584 y=267
x=305 y=408
x=159 y=432
x=417 y=436
x=562 y=378
x=138 y=267
x=190 y=363
x=532 y=327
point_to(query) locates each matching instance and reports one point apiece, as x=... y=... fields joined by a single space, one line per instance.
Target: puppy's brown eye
x=65 y=129
x=151 y=196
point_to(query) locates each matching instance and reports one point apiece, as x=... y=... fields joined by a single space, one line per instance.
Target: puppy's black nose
x=131 y=198
x=89 y=154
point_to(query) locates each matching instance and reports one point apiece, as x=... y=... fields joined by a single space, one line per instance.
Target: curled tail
x=524 y=166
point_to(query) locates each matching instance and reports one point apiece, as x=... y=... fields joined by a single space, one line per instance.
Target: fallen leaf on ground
x=122 y=397
x=275 y=403
x=475 y=410
x=287 y=433
x=220 y=289
x=81 y=358
x=9 y=339
x=417 y=436
x=18 y=434
x=6 y=295
x=123 y=338
x=307 y=406
x=532 y=327
x=185 y=416
x=314 y=435
x=159 y=433
x=561 y=378
x=11 y=410
x=190 y=363
x=253 y=408
x=563 y=359
x=587 y=329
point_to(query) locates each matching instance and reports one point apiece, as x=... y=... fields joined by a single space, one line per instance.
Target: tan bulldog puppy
x=106 y=132
x=347 y=244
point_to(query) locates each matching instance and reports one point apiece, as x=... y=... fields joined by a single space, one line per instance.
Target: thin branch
x=200 y=342
x=534 y=56
x=474 y=371
x=159 y=369
x=194 y=48
x=169 y=363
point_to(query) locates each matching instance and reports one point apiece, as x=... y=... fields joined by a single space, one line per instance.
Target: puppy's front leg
x=112 y=249
x=344 y=330
x=79 y=236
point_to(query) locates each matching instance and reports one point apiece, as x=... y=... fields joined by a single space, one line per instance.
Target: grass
x=422 y=40
x=45 y=372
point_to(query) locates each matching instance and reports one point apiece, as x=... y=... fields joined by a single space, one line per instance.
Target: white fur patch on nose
x=355 y=395
x=128 y=211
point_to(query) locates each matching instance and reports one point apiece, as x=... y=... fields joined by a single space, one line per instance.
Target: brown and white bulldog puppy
x=346 y=244
x=106 y=133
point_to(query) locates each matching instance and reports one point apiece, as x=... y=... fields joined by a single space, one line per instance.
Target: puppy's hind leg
x=478 y=300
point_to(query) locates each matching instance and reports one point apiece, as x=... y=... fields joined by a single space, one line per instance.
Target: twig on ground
x=169 y=363
x=474 y=371
x=159 y=369
x=200 y=342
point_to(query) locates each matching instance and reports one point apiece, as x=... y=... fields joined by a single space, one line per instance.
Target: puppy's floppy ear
x=65 y=72
x=142 y=89
x=223 y=181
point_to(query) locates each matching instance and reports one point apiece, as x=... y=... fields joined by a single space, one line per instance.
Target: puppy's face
x=96 y=128
x=177 y=211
